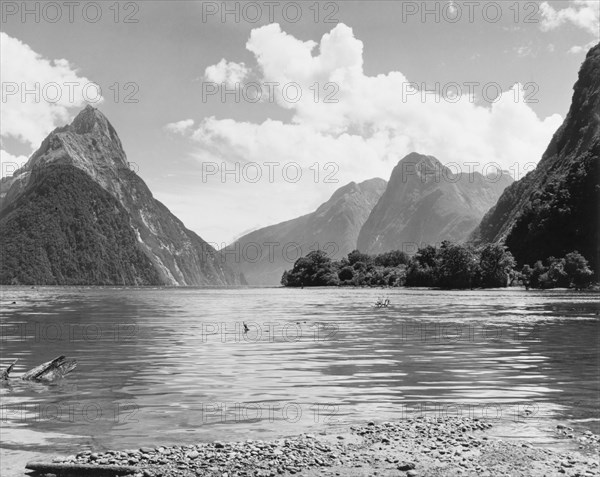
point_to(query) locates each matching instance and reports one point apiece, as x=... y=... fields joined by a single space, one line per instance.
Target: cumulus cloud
x=180 y=127
x=228 y=73
x=367 y=125
x=370 y=121
x=37 y=93
x=584 y=14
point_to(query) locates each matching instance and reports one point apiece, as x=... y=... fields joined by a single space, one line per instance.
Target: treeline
x=448 y=266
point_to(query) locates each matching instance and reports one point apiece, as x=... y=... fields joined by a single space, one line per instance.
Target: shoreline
x=425 y=446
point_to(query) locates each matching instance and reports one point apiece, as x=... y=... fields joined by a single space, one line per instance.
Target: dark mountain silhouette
x=555 y=208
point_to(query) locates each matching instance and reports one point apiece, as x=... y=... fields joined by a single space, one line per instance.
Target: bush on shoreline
x=572 y=271
x=458 y=266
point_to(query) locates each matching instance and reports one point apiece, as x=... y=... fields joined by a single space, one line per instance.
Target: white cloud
x=229 y=73
x=55 y=85
x=180 y=127
x=376 y=114
x=373 y=124
x=524 y=51
x=581 y=48
x=584 y=14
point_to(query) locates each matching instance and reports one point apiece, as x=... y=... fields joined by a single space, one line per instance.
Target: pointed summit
x=87 y=218
x=416 y=158
x=87 y=119
x=425 y=203
x=91 y=120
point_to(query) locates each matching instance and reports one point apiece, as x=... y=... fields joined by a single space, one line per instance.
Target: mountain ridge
x=333 y=226
x=425 y=203
x=91 y=144
x=555 y=208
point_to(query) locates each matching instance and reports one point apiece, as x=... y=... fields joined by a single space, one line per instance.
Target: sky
x=239 y=115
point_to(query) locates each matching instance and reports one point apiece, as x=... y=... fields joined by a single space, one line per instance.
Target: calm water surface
x=175 y=366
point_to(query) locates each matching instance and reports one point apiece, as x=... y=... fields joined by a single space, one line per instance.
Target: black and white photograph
x=300 y=238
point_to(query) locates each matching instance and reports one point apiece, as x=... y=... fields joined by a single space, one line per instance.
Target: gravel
x=437 y=447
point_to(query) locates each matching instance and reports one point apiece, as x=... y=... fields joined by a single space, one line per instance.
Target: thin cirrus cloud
x=54 y=86
x=373 y=121
x=584 y=14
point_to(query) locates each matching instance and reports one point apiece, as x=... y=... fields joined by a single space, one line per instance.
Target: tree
x=557 y=276
x=495 y=265
x=426 y=256
x=314 y=270
x=536 y=273
x=456 y=266
x=346 y=274
x=526 y=273
x=357 y=256
x=396 y=277
x=577 y=270
x=418 y=275
x=360 y=266
x=392 y=259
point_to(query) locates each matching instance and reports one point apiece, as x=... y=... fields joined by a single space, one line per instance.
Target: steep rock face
x=556 y=207
x=91 y=145
x=425 y=203
x=263 y=255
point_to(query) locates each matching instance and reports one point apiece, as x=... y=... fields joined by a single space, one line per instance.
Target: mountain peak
x=349 y=188
x=89 y=143
x=93 y=220
x=90 y=118
x=419 y=167
x=417 y=158
x=424 y=204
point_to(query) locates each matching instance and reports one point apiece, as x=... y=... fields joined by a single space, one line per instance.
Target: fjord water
x=175 y=366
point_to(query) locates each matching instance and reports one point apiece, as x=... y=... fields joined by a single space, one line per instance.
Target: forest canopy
x=451 y=265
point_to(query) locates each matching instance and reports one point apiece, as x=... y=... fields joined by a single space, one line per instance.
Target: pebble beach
x=438 y=447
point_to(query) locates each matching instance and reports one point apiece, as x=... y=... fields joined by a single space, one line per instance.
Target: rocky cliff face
x=556 y=208
x=425 y=203
x=263 y=255
x=91 y=145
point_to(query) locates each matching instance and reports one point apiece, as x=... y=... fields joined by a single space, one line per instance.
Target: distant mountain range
x=77 y=214
x=555 y=209
x=423 y=203
x=263 y=255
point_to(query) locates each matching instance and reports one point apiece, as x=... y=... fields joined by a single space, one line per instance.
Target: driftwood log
x=80 y=470
x=5 y=372
x=45 y=372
